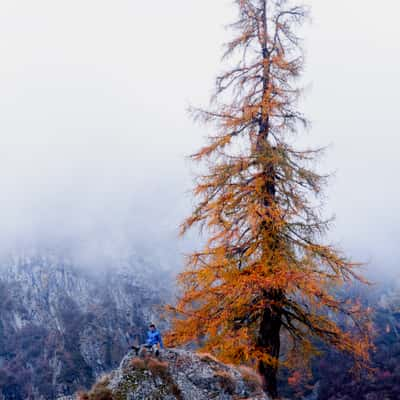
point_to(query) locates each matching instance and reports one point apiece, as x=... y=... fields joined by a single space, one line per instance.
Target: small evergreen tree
x=264 y=274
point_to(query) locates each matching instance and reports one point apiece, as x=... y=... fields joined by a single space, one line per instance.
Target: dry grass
x=104 y=380
x=157 y=367
x=138 y=363
x=251 y=377
x=98 y=392
x=83 y=396
x=207 y=357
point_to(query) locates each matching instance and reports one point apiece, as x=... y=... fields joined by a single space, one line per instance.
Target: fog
x=94 y=129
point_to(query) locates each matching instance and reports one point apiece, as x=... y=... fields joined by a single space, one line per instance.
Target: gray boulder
x=180 y=375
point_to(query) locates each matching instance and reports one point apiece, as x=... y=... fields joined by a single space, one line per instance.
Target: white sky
x=94 y=130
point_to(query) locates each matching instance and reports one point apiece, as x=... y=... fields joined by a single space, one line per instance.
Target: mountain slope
x=62 y=326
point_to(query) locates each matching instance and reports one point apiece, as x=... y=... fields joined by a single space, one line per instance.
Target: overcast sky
x=94 y=129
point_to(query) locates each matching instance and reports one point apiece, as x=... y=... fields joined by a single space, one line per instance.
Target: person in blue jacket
x=153 y=342
x=154 y=337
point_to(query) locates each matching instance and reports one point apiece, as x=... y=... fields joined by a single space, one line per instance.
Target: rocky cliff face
x=62 y=326
x=176 y=375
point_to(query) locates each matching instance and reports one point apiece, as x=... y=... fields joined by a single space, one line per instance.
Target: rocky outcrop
x=62 y=325
x=177 y=375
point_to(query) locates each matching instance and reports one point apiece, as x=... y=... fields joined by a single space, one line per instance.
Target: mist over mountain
x=95 y=130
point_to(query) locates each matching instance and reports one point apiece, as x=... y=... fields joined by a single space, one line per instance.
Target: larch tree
x=264 y=274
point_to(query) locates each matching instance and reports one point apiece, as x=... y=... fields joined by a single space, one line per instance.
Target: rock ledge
x=180 y=375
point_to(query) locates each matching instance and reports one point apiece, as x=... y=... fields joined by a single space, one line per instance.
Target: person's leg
x=144 y=348
x=135 y=349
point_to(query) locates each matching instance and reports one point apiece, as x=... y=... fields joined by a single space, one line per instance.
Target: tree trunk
x=269 y=339
x=269 y=333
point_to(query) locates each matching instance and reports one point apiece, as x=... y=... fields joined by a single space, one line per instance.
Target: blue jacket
x=154 y=338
